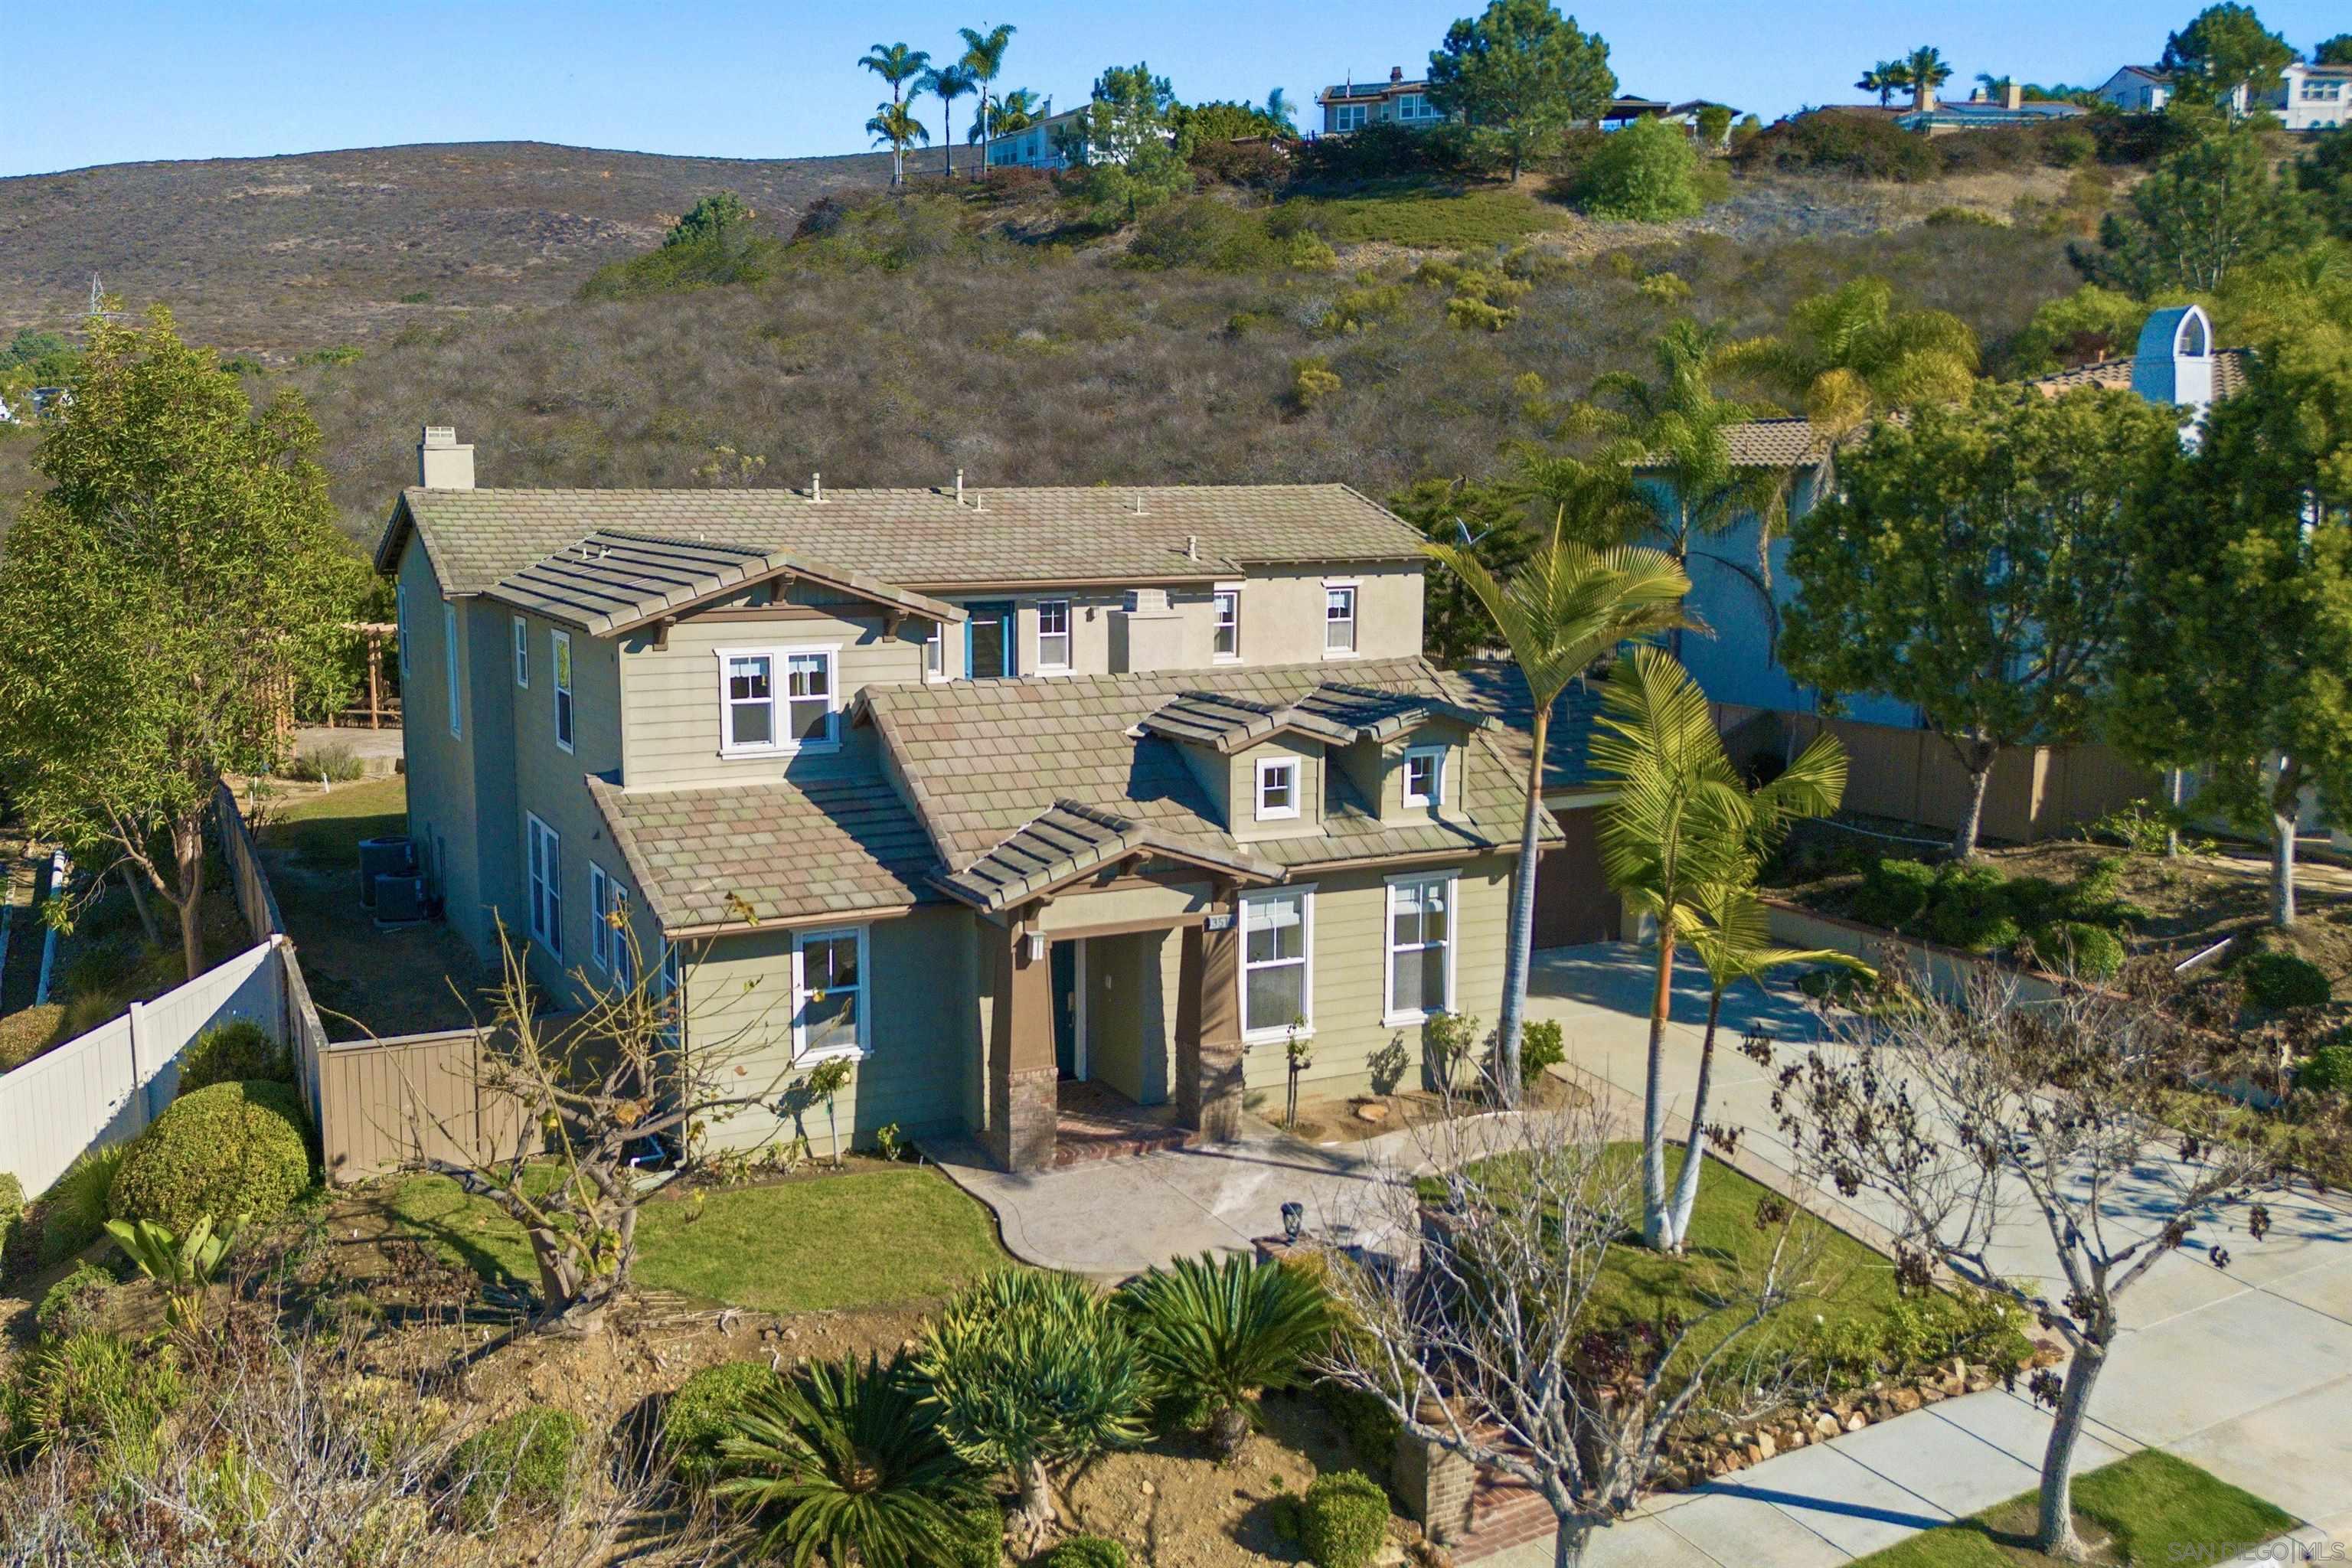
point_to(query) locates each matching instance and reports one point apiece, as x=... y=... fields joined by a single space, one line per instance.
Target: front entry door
x=1069 y=1055
x=989 y=645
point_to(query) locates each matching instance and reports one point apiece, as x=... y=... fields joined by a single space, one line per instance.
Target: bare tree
x=1962 y=1121
x=596 y=1090
x=1482 y=1327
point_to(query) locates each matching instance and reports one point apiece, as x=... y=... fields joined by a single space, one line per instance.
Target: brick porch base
x=1098 y=1123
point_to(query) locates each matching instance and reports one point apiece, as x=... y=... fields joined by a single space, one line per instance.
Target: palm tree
x=1279 y=109
x=1223 y=1328
x=1680 y=829
x=984 y=56
x=947 y=83
x=1858 y=356
x=853 y=1467
x=897 y=65
x=1885 y=79
x=1923 y=70
x=1593 y=500
x=1567 y=606
x=895 y=126
x=1996 y=88
x=1017 y=111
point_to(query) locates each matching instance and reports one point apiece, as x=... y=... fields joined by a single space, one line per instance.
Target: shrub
x=12 y=1215
x=333 y=763
x=1382 y=151
x=233 y=1150
x=239 y=1051
x=1370 y=1427
x=978 y=1538
x=2281 y=980
x=28 y=1032
x=1961 y=217
x=1647 y=171
x=1088 y=1551
x=1541 y=1046
x=726 y=259
x=1894 y=894
x=74 y=1210
x=1969 y=909
x=1258 y=165
x=1343 y=1521
x=1202 y=232
x=2327 y=1070
x=1826 y=142
x=1214 y=1330
x=700 y=1415
x=1312 y=380
x=89 y=1388
x=2079 y=947
x=70 y=1306
x=524 y=1462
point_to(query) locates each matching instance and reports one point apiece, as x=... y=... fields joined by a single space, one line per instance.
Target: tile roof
x=986 y=760
x=773 y=850
x=1789 y=442
x=2229 y=374
x=1070 y=839
x=921 y=538
x=611 y=581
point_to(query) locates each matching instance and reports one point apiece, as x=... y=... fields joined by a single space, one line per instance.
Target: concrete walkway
x=2247 y=1372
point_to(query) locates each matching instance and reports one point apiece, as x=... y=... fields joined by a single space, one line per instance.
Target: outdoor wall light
x=1037 y=946
x=1294 y=1220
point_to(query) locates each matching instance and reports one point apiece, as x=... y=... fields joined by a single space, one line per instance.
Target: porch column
x=1022 y=1073
x=1209 y=1024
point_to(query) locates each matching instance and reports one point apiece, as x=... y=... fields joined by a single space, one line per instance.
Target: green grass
x=2154 y=1509
x=1433 y=217
x=861 y=1239
x=328 y=827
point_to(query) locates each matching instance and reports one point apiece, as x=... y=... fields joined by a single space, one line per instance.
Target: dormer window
x=777 y=700
x=1277 y=788
x=1338 y=619
x=1425 y=776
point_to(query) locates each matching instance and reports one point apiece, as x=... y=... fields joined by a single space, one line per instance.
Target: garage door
x=1573 y=900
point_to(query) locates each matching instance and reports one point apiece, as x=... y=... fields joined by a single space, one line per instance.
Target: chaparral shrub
x=2278 y=979
x=521 y=1465
x=1088 y=1551
x=2327 y=1070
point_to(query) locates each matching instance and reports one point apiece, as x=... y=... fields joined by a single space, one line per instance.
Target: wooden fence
x=387 y=1103
x=1913 y=775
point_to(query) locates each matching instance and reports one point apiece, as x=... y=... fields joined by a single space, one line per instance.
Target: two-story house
x=992 y=792
x=2313 y=96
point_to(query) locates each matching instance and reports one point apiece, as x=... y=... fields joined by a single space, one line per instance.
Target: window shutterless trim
x=566 y=713
x=1067 y=635
x=1277 y=765
x=600 y=886
x=521 y=652
x=455 y=687
x=536 y=833
x=1225 y=594
x=865 y=1014
x=1452 y=881
x=1305 y=893
x=1350 y=620
x=1434 y=798
x=780 y=701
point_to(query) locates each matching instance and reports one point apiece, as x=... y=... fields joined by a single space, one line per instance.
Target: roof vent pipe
x=959 y=487
x=816 y=487
x=1191 y=547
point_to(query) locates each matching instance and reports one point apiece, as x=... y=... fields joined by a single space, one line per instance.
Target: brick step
x=1073 y=1148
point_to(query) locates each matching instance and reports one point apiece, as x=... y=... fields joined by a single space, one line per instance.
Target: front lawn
x=862 y=1239
x=2150 y=1508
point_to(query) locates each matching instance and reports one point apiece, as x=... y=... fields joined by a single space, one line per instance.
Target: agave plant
x=184 y=1267
x=1224 y=1328
x=851 y=1465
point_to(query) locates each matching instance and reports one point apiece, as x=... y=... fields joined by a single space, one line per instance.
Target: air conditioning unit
x=399 y=900
x=394 y=856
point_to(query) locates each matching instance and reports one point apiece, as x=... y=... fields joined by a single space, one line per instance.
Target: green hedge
x=1343 y=1521
x=2279 y=980
x=702 y=1412
x=235 y=1149
x=1966 y=905
x=522 y=1464
x=233 y=1052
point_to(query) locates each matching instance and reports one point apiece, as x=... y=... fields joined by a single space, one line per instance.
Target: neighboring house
x=1981 y=112
x=1045 y=144
x=2144 y=90
x=988 y=791
x=1352 y=105
x=2312 y=98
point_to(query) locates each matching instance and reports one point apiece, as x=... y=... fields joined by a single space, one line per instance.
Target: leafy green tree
x=2211 y=207
x=2239 y=623
x=1566 y=607
x=1219 y=121
x=2091 y=323
x=173 y=598
x=2335 y=52
x=1996 y=88
x=1523 y=73
x=1682 y=833
x=1031 y=1369
x=2226 y=48
x=708 y=221
x=1217 y=1330
x=1486 y=520
x=1856 y=355
x=1715 y=125
x=1647 y=172
x=897 y=65
x=1924 y=69
x=947 y=83
x=1974 y=566
x=984 y=56
x=895 y=127
x=848 y=1465
x=28 y=345
x=1125 y=138
x=2324 y=174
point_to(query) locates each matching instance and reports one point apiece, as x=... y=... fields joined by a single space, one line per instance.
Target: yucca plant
x=851 y=1465
x=1029 y=1370
x=184 y=1267
x=1221 y=1329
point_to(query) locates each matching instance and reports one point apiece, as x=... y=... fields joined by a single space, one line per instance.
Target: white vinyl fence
x=107 y=1085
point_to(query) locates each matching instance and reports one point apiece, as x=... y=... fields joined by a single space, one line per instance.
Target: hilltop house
x=1029 y=802
x=2312 y=98
x=2145 y=90
x=1981 y=111
x=1352 y=105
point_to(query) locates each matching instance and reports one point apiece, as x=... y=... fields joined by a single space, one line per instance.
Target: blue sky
x=741 y=81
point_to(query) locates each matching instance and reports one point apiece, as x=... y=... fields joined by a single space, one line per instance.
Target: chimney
x=441 y=463
x=2174 y=363
x=1923 y=97
x=2014 y=99
x=1396 y=73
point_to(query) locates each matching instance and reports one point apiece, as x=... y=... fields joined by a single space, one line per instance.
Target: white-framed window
x=778 y=699
x=559 y=661
x=1420 y=948
x=1227 y=643
x=1053 y=634
x=1415 y=106
x=608 y=903
x=1339 y=618
x=1425 y=775
x=545 y=856
x=1278 y=962
x=935 y=652
x=1348 y=117
x=523 y=652
x=1277 y=788
x=449 y=660
x=829 y=1010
